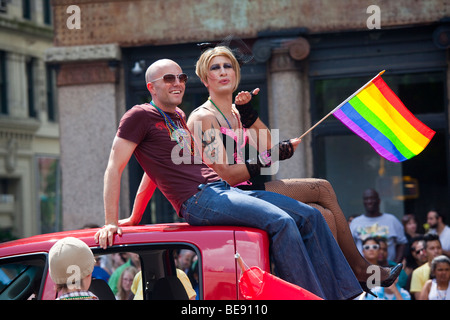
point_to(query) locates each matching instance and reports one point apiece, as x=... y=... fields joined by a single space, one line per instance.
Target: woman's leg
x=328 y=215
x=320 y=192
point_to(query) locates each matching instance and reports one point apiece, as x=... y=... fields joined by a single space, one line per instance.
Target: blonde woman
x=218 y=123
x=124 y=284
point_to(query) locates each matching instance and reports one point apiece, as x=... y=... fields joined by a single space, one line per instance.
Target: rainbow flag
x=378 y=116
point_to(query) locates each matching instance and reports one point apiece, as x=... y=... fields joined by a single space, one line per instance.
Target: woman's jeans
x=303 y=248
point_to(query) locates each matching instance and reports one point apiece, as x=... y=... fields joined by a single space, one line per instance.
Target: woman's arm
x=258 y=133
x=207 y=135
x=425 y=290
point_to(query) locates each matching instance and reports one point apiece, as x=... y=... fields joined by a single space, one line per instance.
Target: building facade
x=308 y=56
x=29 y=130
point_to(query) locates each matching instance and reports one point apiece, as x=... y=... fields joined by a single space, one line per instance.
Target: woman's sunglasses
x=371 y=246
x=170 y=78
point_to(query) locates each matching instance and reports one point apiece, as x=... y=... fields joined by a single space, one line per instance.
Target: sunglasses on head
x=371 y=246
x=170 y=78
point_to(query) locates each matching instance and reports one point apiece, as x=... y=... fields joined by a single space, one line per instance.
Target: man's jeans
x=303 y=248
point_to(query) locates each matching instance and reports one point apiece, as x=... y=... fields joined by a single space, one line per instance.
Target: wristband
x=285 y=150
x=248 y=114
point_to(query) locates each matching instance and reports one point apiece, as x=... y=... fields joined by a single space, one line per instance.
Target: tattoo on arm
x=211 y=144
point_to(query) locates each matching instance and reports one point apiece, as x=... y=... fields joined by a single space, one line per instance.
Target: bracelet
x=265 y=158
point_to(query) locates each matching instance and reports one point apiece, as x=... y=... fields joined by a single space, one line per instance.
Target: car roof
x=169 y=232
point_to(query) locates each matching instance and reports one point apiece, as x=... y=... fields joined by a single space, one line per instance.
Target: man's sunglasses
x=371 y=246
x=170 y=78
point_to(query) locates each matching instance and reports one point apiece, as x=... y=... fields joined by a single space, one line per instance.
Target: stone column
x=90 y=102
x=289 y=104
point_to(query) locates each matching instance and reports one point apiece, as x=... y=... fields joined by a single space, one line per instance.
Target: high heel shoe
x=393 y=274
x=366 y=289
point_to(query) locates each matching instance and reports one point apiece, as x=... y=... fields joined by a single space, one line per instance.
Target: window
x=49 y=194
x=21 y=278
x=30 y=87
x=158 y=272
x=51 y=100
x=26 y=9
x=3 y=87
x=47 y=10
x=4 y=5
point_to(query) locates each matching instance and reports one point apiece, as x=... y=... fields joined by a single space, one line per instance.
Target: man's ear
x=149 y=86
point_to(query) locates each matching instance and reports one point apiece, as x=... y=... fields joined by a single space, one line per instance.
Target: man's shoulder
x=446 y=230
x=139 y=111
x=421 y=269
x=140 y=108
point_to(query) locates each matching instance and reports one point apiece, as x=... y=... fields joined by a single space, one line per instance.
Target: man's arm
x=121 y=152
x=143 y=196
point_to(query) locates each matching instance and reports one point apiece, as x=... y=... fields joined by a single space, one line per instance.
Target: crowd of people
x=385 y=240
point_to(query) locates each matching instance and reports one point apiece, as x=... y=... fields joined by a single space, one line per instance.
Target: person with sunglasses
x=232 y=126
x=311 y=259
x=416 y=256
x=421 y=274
x=371 y=251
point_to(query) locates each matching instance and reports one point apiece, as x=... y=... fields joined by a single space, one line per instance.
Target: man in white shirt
x=435 y=220
x=373 y=223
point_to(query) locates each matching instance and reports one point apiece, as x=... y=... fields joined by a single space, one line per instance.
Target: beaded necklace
x=229 y=125
x=180 y=135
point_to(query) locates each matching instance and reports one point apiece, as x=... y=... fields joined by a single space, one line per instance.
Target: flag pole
x=241 y=262
x=340 y=105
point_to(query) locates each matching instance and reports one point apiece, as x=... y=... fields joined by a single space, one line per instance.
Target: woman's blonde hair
x=202 y=65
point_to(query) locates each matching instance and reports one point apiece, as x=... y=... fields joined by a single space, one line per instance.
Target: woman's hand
x=295 y=142
x=126 y=222
x=244 y=97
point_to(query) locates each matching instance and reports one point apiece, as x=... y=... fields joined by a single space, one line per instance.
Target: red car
x=212 y=266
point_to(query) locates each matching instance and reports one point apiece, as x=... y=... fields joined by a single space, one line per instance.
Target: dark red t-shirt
x=175 y=171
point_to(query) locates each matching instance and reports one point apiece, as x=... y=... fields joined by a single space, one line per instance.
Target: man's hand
x=105 y=236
